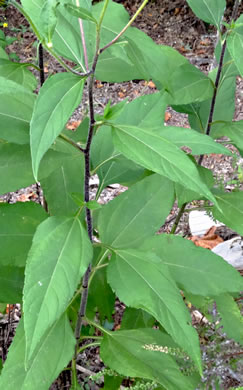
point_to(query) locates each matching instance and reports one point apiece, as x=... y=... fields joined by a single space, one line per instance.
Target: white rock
x=231 y=251
x=200 y=222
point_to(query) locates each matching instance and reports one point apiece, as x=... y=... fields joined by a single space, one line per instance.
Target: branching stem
x=212 y=108
x=124 y=28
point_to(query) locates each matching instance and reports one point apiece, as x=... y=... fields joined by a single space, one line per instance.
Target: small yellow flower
x=5 y=25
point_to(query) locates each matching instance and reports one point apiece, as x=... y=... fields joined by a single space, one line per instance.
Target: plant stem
x=176 y=223
x=212 y=108
x=83 y=40
x=124 y=28
x=98 y=326
x=71 y=142
x=41 y=64
x=94 y=344
x=50 y=50
x=85 y=283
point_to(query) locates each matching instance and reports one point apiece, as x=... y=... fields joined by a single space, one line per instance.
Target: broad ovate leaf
x=133 y=353
x=136 y=213
x=195 y=270
x=18 y=223
x=11 y=284
x=211 y=11
x=141 y=280
x=235 y=47
x=48 y=15
x=154 y=152
x=57 y=99
x=188 y=85
x=198 y=143
x=51 y=356
x=59 y=256
x=231 y=317
x=19 y=73
x=16 y=108
x=231 y=213
x=233 y=130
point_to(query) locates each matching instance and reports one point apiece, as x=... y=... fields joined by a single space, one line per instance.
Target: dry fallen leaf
x=26 y=197
x=167 y=116
x=72 y=125
x=121 y=94
x=151 y=85
x=209 y=240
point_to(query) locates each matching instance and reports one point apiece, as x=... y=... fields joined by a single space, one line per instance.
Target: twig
x=125 y=28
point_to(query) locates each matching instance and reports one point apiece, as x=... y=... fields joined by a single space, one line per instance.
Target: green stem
x=125 y=28
x=71 y=142
x=74 y=375
x=91 y=337
x=176 y=223
x=102 y=16
x=103 y=257
x=98 y=326
x=95 y=344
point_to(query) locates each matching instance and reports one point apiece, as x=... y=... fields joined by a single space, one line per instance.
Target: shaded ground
x=171 y=23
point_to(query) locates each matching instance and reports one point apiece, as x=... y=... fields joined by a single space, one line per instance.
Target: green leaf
x=18 y=73
x=189 y=85
x=18 y=223
x=184 y=195
x=15 y=167
x=80 y=12
x=59 y=256
x=223 y=110
x=136 y=213
x=109 y=164
x=195 y=270
x=235 y=47
x=15 y=113
x=112 y=382
x=3 y=54
x=231 y=318
x=57 y=99
x=48 y=15
x=141 y=280
x=93 y=205
x=154 y=61
x=128 y=353
x=63 y=181
x=136 y=318
x=210 y=11
x=198 y=143
x=15 y=159
x=159 y=155
x=231 y=214
x=112 y=112
x=11 y=284
x=50 y=357
x=101 y=298
x=233 y=130
x=146 y=112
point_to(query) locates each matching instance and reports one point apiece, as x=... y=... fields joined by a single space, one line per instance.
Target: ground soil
x=166 y=22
